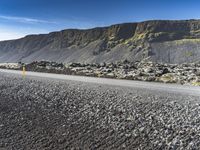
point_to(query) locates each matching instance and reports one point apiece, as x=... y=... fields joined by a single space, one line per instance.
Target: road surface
x=181 y=89
x=56 y=112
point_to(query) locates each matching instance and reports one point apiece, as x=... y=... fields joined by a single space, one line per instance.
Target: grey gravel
x=38 y=113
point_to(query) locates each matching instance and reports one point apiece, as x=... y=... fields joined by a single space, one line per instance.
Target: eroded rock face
x=159 y=41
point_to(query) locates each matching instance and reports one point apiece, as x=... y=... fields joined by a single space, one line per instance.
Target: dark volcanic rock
x=145 y=71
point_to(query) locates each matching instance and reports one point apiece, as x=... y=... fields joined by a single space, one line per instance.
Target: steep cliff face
x=162 y=41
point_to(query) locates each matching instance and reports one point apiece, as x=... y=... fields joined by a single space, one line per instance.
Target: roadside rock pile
x=45 y=66
x=142 y=71
x=10 y=65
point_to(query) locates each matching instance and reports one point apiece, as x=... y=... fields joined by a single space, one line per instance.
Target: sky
x=22 y=17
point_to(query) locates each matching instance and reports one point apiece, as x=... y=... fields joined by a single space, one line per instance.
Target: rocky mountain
x=159 y=41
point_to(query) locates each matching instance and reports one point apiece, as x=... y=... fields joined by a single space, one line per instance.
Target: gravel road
x=42 y=113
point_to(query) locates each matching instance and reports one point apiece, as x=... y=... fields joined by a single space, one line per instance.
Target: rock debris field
x=47 y=114
x=185 y=74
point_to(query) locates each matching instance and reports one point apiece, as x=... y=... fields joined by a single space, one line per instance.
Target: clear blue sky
x=22 y=17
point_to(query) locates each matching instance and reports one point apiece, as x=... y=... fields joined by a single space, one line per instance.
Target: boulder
x=168 y=78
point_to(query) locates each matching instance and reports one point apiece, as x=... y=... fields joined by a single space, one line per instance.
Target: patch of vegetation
x=141 y=36
x=196 y=83
x=188 y=54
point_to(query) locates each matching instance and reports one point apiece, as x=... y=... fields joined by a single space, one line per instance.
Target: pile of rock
x=143 y=71
x=45 y=65
x=10 y=65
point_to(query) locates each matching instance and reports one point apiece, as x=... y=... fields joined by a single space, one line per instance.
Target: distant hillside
x=159 y=41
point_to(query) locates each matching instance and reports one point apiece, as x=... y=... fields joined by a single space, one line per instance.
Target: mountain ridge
x=168 y=41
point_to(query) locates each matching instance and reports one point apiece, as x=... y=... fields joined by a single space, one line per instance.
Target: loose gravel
x=45 y=114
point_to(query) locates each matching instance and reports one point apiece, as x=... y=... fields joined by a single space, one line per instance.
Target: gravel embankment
x=38 y=113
